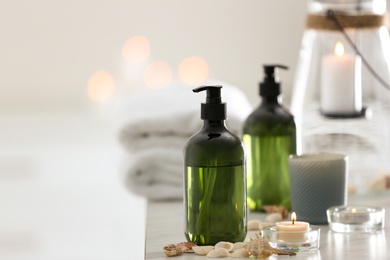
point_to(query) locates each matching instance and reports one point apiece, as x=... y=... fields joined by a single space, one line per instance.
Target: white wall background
x=49 y=49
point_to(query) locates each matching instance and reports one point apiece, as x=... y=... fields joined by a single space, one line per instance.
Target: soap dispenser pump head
x=213 y=109
x=270 y=87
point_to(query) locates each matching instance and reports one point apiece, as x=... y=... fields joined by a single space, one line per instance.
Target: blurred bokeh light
x=136 y=49
x=101 y=86
x=193 y=70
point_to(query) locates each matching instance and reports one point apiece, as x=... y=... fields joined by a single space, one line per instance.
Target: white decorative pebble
x=253 y=224
x=240 y=253
x=202 y=250
x=218 y=252
x=227 y=245
x=238 y=245
x=274 y=217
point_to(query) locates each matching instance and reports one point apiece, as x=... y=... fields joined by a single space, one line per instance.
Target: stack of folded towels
x=154 y=126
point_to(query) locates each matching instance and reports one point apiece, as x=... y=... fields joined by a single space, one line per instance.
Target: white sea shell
x=274 y=217
x=202 y=250
x=238 y=245
x=227 y=245
x=240 y=253
x=260 y=248
x=172 y=250
x=253 y=224
x=218 y=252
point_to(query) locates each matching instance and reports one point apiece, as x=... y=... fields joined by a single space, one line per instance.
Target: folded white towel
x=154 y=141
x=156 y=173
x=153 y=115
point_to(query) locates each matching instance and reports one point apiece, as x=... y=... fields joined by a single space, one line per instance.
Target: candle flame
x=339 y=49
x=353 y=210
x=293 y=217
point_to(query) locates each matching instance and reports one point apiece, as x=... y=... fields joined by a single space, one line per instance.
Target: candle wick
x=293 y=220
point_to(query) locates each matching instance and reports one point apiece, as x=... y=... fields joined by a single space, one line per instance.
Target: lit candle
x=292 y=231
x=341 y=91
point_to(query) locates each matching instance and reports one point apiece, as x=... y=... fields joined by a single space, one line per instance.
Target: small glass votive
x=348 y=219
x=294 y=241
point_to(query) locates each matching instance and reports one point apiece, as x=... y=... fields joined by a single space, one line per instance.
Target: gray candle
x=318 y=181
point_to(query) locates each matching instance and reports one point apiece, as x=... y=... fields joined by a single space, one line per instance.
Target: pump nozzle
x=270 y=87
x=213 y=93
x=213 y=109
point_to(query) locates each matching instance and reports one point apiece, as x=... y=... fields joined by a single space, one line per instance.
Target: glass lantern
x=341 y=95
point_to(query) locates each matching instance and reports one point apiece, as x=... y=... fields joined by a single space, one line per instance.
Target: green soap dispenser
x=269 y=137
x=214 y=179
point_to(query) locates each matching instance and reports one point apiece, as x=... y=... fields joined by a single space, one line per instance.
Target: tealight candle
x=355 y=218
x=292 y=231
x=304 y=238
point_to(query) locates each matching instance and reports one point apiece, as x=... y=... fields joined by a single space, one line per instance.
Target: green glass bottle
x=214 y=179
x=269 y=137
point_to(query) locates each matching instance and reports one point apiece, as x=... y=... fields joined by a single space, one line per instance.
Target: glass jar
x=341 y=96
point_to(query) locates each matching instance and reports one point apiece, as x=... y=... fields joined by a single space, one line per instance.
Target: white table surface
x=165 y=226
x=61 y=195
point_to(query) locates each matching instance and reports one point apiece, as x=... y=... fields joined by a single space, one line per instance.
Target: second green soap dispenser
x=269 y=137
x=214 y=178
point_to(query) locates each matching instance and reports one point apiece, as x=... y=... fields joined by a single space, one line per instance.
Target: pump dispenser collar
x=213 y=109
x=270 y=87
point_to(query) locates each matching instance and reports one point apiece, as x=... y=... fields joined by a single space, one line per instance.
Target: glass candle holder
x=349 y=219
x=294 y=241
x=341 y=95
